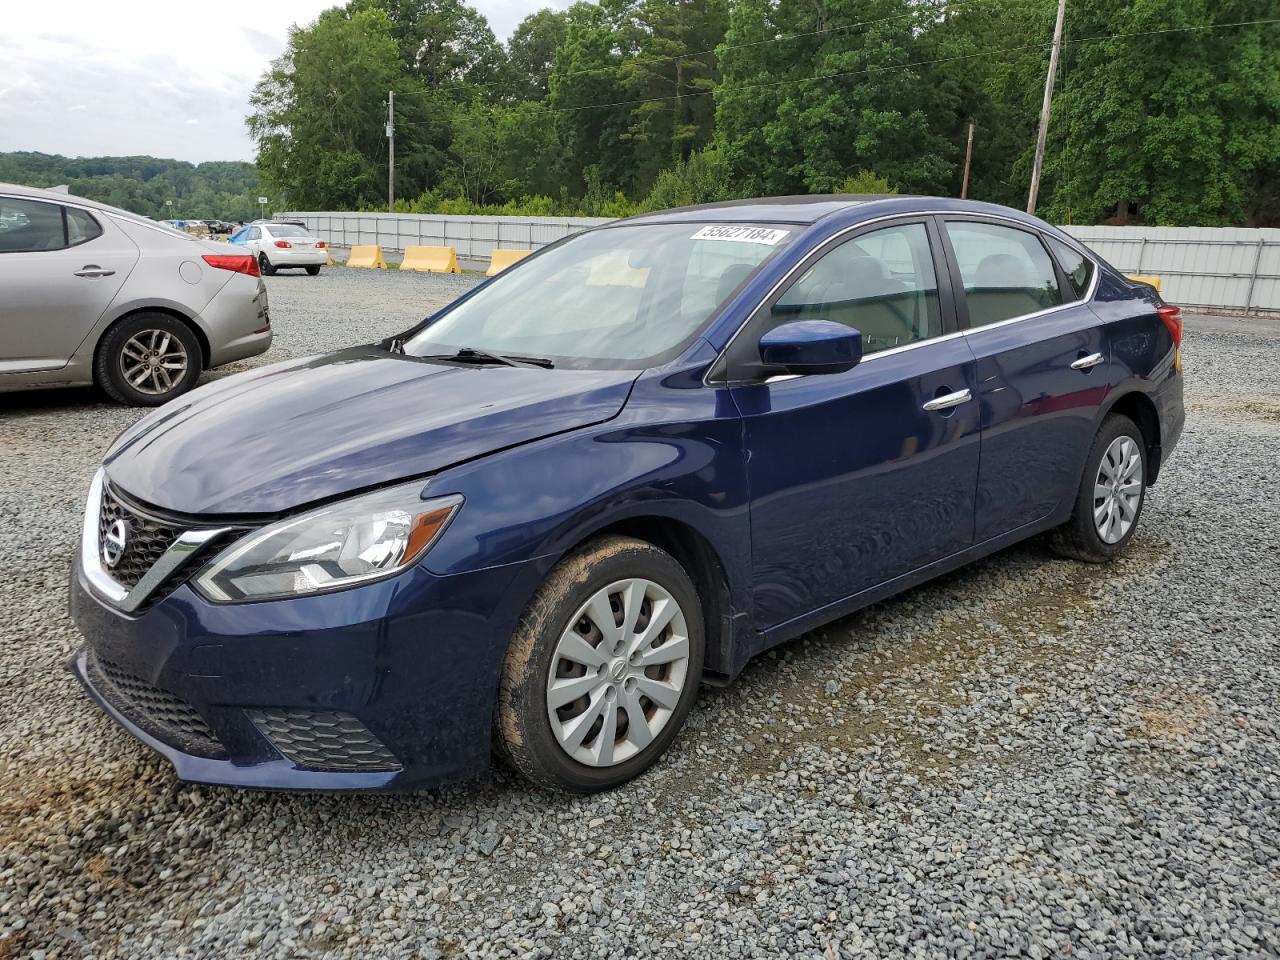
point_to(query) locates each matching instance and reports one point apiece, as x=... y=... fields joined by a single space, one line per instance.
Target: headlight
x=361 y=539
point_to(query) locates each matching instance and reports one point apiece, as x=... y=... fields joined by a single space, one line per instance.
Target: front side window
x=1007 y=272
x=623 y=297
x=30 y=225
x=1075 y=265
x=881 y=283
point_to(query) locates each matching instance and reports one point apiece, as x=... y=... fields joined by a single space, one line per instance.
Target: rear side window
x=882 y=284
x=1074 y=264
x=1007 y=273
x=81 y=227
x=30 y=225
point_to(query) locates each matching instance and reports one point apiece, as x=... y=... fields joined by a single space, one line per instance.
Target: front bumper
x=408 y=667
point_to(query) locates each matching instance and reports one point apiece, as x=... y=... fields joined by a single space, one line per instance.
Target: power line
x=889 y=67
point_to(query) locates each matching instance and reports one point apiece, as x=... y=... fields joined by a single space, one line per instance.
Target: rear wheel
x=313 y=269
x=148 y=359
x=264 y=265
x=603 y=668
x=1112 y=491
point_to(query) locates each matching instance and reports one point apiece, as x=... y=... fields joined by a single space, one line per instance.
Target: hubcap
x=153 y=361
x=1117 y=490
x=617 y=672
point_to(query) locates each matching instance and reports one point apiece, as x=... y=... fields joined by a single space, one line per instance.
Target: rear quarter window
x=1074 y=264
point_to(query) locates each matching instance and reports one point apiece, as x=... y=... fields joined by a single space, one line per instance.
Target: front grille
x=323 y=740
x=146 y=542
x=148 y=537
x=157 y=711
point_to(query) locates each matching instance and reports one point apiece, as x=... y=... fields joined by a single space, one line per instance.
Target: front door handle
x=93 y=270
x=949 y=400
x=1089 y=362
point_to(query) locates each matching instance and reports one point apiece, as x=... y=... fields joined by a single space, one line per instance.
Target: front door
x=60 y=268
x=1043 y=368
x=860 y=477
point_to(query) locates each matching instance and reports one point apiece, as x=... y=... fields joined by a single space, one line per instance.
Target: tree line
x=1166 y=110
x=207 y=191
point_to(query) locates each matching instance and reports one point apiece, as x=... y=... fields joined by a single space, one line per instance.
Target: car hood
x=276 y=438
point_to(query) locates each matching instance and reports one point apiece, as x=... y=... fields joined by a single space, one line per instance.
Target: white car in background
x=281 y=245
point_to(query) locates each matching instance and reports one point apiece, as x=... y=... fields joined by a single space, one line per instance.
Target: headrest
x=733 y=275
x=1002 y=270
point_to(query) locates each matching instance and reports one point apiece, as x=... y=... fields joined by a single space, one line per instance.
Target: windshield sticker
x=742 y=233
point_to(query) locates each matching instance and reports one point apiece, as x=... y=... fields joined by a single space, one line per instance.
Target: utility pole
x=968 y=158
x=1044 y=110
x=391 y=149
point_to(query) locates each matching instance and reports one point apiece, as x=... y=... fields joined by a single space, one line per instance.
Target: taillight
x=283 y=244
x=319 y=244
x=235 y=262
x=1171 y=317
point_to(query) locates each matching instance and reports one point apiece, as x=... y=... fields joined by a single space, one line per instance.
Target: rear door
x=860 y=477
x=1043 y=367
x=60 y=268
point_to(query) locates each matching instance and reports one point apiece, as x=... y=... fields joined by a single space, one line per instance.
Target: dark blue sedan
x=542 y=517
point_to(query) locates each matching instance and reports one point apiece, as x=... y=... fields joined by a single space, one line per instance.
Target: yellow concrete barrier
x=499 y=260
x=1154 y=281
x=369 y=255
x=431 y=259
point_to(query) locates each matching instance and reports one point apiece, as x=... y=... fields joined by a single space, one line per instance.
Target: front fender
x=673 y=454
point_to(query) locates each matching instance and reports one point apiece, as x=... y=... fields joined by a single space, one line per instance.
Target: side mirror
x=811 y=346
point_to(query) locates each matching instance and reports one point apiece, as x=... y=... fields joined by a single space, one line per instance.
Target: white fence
x=1212 y=267
x=473 y=237
x=1215 y=268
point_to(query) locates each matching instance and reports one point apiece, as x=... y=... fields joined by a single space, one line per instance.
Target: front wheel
x=603 y=668
x=1112 y=491
x=265 y=267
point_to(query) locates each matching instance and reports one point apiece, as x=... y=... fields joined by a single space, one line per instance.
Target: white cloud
x=170 y=79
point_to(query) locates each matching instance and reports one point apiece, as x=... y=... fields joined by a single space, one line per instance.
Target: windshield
x=287 y=230
x=625 y=297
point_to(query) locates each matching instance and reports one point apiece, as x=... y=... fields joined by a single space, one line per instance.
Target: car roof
x=60 y=196
x=850 y=207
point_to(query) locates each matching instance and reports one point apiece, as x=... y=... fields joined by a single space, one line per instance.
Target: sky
x=166 y=78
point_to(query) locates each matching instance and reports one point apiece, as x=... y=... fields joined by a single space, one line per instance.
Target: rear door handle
x=1089 y=362
x=949 y=400
x=93 y=270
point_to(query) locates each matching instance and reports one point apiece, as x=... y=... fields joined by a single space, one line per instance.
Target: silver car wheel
x=153 y=361
x=617 y=672
x=1117 y=490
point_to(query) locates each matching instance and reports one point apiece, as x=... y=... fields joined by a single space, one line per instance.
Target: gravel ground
x=1027 y=757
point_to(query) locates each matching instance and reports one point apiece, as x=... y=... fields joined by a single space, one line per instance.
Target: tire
x=128 y=347
x=619 y=687
x=1081 y=537
x=313 y=270
x=264 y=265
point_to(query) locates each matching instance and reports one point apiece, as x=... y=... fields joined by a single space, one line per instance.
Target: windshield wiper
x=472 y=355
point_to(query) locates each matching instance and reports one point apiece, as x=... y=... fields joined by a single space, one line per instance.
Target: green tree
x=671 y=69
x=584 y=88
x=531 y=53
x=803 y=114
x=1172 y=128
x=441 y=41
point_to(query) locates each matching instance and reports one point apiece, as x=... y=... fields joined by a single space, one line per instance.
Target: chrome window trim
x=1086 y=298
x=179 y=552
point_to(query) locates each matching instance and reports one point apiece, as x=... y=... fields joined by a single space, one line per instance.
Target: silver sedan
x=92 y=294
